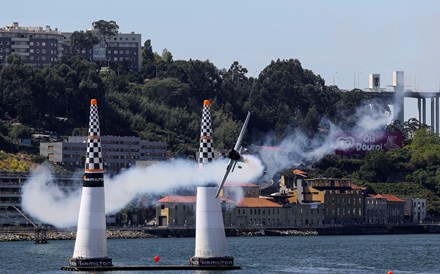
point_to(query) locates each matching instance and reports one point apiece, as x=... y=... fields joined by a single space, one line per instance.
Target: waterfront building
x=257 y=212
x=119 y=152
x=395 y=208
x=415 y=210
x=375 y=210
x=343 y=207
x=305 y=193
x=176 y=211
x=180 y=211
x=344 y=202
x=304 y=215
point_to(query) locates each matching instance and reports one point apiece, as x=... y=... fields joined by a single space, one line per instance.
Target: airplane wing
x=237 y=146
x=228 y=169
x=234 y=155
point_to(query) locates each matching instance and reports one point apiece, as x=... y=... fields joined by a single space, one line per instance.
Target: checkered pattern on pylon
x=206 y=150
x=94 y=151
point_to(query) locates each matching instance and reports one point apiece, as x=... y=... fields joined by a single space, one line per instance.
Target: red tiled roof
x=353 y=186
x=389 y=197
x=256 y=202
x=187 y=199
x=178 y=199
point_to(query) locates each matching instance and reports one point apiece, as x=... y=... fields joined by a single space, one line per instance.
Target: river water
x=414 y=253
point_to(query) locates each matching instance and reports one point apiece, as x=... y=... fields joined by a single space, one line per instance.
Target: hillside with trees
x=163 y=101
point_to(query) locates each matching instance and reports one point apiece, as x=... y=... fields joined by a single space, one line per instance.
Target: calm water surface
x=311 y=254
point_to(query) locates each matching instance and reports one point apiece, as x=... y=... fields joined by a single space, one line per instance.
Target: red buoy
x=157 y=259
x=390 y=272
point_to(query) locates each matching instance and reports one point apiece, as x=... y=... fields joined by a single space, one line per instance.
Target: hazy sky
x=341 y=40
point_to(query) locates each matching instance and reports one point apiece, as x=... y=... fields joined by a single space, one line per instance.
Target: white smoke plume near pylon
x=297 y=148
x=46 y=202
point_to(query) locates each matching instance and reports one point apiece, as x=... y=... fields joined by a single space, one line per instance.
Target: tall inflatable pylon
x=210 y=248
x=91 y=239
x=206 y=149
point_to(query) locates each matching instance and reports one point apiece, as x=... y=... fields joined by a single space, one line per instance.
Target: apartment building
x=119 y=152
x=38 y=46
x=125 y=47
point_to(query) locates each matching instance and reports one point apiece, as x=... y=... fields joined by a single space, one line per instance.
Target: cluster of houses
x=321 y=202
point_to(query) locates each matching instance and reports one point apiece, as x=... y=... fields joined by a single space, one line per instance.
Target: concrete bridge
x=396 y=99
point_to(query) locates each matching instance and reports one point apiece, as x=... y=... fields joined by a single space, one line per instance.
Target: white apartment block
x=40 y=46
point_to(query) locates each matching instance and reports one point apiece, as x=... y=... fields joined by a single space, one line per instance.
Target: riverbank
x=163 y=232
x=70 y=235
x=29 y=235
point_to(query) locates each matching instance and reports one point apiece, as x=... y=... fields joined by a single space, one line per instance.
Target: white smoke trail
x=297 y=148
x=44 y=201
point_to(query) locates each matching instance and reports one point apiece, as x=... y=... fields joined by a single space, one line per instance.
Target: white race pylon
x=206 y=149
x=91 y=239
x=211 y=248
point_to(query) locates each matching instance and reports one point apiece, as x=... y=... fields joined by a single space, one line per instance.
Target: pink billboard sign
x=349 y=143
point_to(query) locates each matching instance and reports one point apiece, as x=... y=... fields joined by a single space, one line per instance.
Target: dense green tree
x=425 y=149
x=410 y=128
x=107 y=30
x=20 y=131
x=235 y=90
x=283 y=94
x=376 y=167
x=81 y=40
x=149 y=66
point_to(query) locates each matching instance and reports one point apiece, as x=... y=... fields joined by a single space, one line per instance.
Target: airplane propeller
x=234 y=155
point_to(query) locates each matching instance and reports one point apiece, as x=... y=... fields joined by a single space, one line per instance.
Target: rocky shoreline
x=70 y=235
x=140 y=234
x=162 y=232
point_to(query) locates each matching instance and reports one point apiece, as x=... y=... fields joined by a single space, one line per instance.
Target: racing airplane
x=234 y=155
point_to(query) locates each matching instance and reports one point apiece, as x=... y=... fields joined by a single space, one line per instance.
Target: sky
x=341 y=40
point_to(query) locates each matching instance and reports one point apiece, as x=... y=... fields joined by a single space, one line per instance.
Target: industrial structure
x=396 y=99
x=38 y=46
